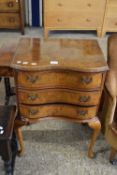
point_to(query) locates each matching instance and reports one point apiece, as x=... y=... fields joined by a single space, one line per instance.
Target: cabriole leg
x=96 y=126
x=46 y=32
x=20 y=141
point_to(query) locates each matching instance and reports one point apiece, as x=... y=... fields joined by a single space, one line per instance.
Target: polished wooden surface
x=12 y=14
x=38 y=54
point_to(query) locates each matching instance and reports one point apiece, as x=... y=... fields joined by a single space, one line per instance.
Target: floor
x=59 y=147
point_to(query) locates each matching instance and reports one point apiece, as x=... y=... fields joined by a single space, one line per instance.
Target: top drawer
x=9 y=5
x=59 y=79
x=65 y=5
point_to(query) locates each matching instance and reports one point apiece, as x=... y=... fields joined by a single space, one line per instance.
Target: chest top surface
x=68 y=54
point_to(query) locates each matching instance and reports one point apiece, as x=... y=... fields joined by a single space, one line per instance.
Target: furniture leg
x=46 y=32
x=103 y=33
x=99 y=33
x=96 y=126
x=20 y=141
x=112 y=156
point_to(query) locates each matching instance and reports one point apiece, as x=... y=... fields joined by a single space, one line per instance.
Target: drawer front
x=9 y=5
x=111 y=18
x=54 y=79
x=65 y=5
x=111 y=23
x=10 y=20
x=55 y=110
x=112 y=3
x=75 y=19
x=58 y=96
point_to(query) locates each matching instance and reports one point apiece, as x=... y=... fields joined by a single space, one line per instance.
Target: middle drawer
x=47 y=96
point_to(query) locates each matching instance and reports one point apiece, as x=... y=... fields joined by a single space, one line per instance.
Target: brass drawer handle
x=82 y=112
x=32 y=79
x=32 y=97
x=33 y=111
x=86 y=80
x=84 y=98
x=12 y=19
x=10 y=4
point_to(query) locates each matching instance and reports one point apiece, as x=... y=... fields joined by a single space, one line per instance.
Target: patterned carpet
x=62 y=152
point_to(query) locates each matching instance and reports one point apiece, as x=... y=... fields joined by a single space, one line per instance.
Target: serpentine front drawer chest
x=61 y=79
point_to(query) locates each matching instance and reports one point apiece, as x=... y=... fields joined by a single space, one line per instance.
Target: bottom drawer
x=57 y=110
x=9 y=20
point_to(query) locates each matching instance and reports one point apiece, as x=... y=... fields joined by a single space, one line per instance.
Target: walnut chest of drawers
x=12 y=14
x=60 y=79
